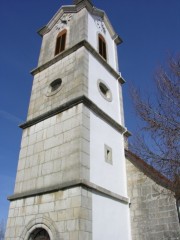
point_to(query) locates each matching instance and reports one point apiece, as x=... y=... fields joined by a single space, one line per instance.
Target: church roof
x=78 y=5
x=150 y=171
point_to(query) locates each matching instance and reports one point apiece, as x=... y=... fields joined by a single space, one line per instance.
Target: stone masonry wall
x=72 y=70
x=66 y=214
x=54 y=151
x=153 y=209
x=76 y=32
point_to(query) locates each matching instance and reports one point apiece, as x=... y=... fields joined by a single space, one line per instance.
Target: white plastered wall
x=110 y=219
x=93 y=32
x=98 y=72
x=110 y=176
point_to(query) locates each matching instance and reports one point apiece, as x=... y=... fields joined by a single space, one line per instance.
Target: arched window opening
x=60 y=42
x=102 y=46
x=39 y=234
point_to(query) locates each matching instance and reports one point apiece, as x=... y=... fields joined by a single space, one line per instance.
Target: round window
x=54 y=87
x=104 y=91
x=55 y=84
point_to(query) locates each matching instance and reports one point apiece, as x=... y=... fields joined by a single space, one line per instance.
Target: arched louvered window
x=102 y=46
x=60 y=42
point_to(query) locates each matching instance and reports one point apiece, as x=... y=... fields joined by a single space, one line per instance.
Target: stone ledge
x=69 y=51
x=81 y=183
x=82 y=99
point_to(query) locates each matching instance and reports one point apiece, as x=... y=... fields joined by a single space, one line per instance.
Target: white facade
x=96 y=25
x=110 y=219
x=110 y=176
x=98 y=72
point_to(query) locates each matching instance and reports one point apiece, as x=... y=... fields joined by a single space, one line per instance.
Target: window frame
x=104 y=90
x=108 y=155
x=60 y=42
x=102 y=46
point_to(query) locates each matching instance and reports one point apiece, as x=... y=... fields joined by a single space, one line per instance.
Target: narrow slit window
x=60 y=42
x=178 y=208
x=108 y=154
x=102 y=47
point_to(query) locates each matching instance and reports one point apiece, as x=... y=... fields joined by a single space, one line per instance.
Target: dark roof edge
x=149 y=171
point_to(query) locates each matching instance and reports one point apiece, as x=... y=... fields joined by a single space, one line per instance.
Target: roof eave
x=149 y=171
x=76 y=8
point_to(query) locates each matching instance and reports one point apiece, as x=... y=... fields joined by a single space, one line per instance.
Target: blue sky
x=150 y=31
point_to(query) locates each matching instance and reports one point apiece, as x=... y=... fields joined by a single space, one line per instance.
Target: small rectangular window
x=108 y=154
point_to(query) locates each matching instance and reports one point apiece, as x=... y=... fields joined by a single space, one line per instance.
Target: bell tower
x=71 y=177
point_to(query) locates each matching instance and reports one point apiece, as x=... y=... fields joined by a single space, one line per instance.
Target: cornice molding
x=76 y=183
x=75 y=9
x=67 y=52
x=74 y=102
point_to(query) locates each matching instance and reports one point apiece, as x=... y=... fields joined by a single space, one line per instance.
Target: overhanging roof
x=76 y=8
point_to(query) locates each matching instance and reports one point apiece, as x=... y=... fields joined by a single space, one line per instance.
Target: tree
x=2 y=230
x=158 y=141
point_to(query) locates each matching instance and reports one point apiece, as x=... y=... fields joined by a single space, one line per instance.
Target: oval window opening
x=55 y=84
x=54 y=87
x=105 y=91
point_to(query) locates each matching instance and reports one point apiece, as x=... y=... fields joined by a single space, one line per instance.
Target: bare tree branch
x=158 y=141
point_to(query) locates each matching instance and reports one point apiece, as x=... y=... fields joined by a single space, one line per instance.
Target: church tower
x=71 y=178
